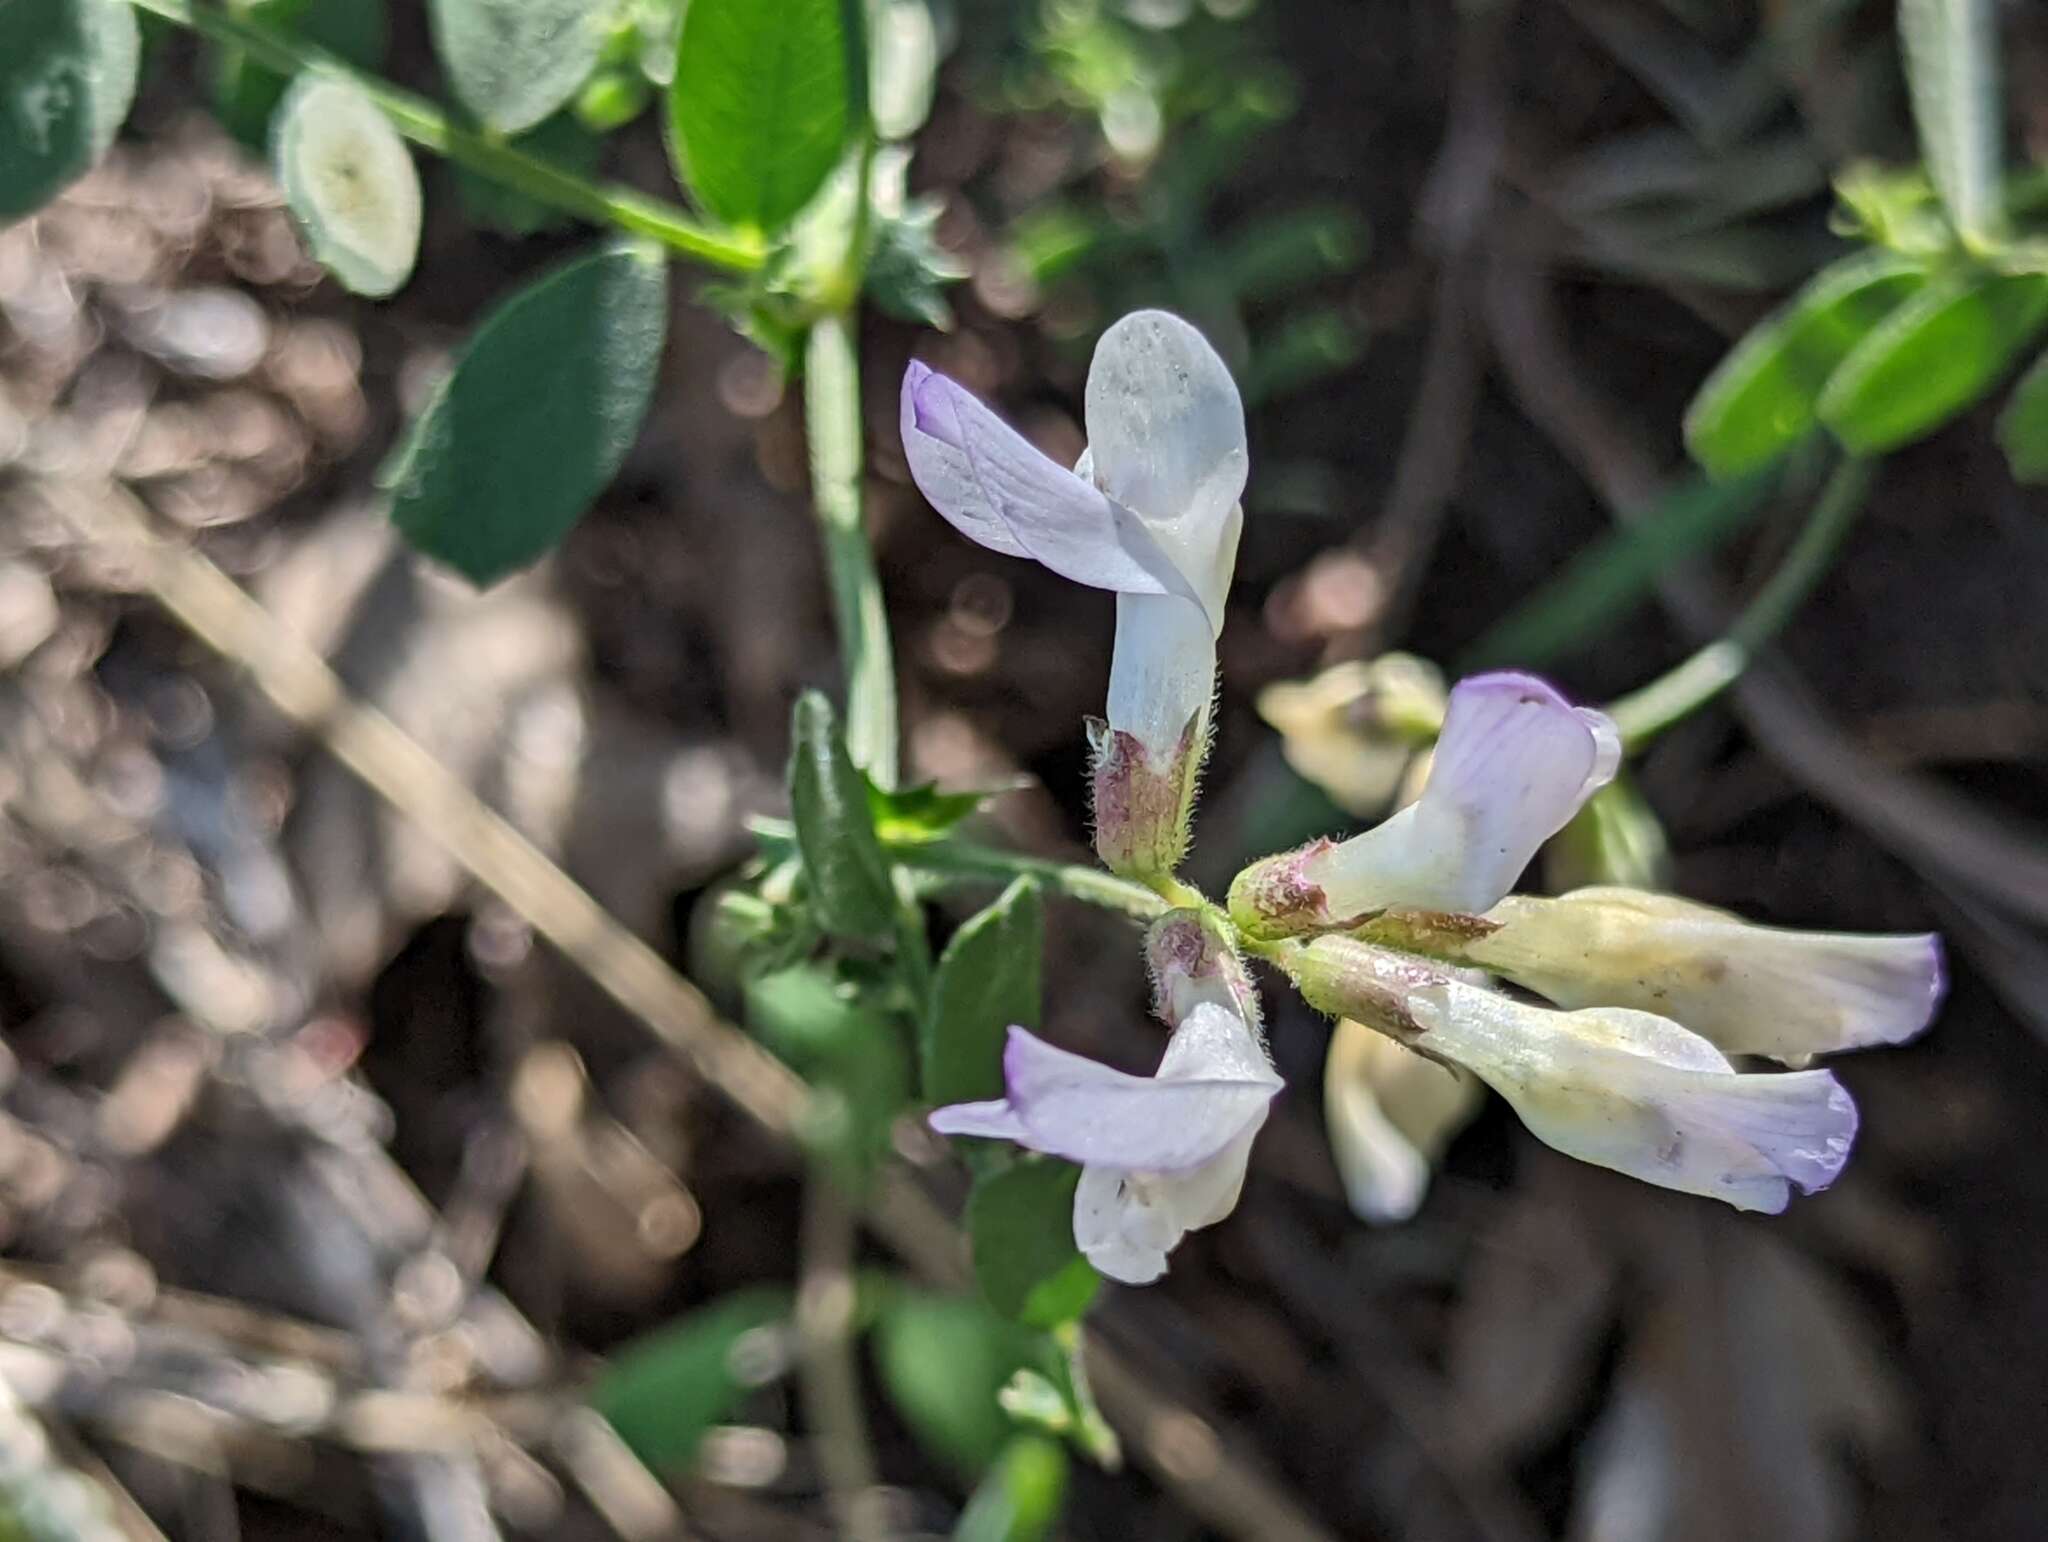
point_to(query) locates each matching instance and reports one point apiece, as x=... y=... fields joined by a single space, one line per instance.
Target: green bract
x=759 y=109
x=67 y=75
x=513 y=62
x=350 y=181
x=835 y=834
x=537 y=414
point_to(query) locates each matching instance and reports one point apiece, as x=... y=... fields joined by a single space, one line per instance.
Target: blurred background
x=327 y=1194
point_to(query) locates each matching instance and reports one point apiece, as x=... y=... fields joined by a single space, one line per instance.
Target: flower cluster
x=1607 y=1017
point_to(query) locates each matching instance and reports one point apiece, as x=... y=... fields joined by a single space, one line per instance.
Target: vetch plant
x=1621 y=1024
x=1408 y=929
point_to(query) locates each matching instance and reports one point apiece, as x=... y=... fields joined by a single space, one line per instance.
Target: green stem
x=427 y=125
x=833 y=422
x=1642 y=715
x=966 y=862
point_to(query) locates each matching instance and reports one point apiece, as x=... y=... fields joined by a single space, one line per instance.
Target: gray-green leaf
x=664 y=1392
x=513 y=62
x=246 y=93
x=1021 y=1223
x=1932 y=358
x=1019 y=1498
x=67 y=75
x=2023 y=425
x=351 y=183
x=987 y=979
x=1760 y=400
x=540 y=409
x=835 y=832
x=942 y=1361
x=1951 y=57
x=760 y=107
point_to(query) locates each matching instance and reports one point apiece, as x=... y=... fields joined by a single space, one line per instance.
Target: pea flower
x=1514 y=763
x=1160 y=1155
x=1390 y=1113
x=1751 y=990
x=1150 y=512
x=1616 y=1087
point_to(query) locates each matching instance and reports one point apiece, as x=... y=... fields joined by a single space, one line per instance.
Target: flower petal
x=1514 y=763
x=1126 y=1223
x=1637 y=1093
x=994 y=1120
x=995 y=488
x=1166 y=434
x=1752 y=990
x=1162 y=671
x=1389 y=1112
x=1075 y=1108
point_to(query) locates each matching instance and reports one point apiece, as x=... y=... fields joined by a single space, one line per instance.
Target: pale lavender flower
x=1150 y=512
x=1623 y=1089
x=1751 y=990
x=1514 y=763
x=1161 y=1155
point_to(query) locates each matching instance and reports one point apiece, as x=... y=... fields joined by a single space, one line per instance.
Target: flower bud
x=1193 y=960
x=1354 y=729
x=1144 y=803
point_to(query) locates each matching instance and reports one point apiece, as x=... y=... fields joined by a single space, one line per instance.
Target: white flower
x=1514 y=763
x=1636 y=1092
x=1390 y=1113
x=1751 y=990
x=1160 y=1155
x=1150 y=511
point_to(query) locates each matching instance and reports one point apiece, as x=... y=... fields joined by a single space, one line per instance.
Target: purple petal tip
x=931 y=408
x=1515 y=681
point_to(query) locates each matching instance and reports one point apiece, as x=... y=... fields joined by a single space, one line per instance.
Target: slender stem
x=963 y=861
x=427 y=125
x=833 y=422
x=827 y=1376
x=1642 y=715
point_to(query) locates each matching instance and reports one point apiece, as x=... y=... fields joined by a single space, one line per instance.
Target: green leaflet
x=536 y=416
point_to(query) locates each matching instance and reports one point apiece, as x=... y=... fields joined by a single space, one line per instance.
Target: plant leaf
x=988 y=978
x=246 y=94
x=538 y=412
x=1761 y=399
x=835 y=833
x=665 y=1391
x=67 y=75
x=761 y=105
x=923 y=813
x=943 y=1360
x=1019 y=1499
x=1021 y=1222
x=513 y=62
x=841 y=1043
x=1951 y=58
x=1932 y=358
x=350 y=182
x=2023 y=426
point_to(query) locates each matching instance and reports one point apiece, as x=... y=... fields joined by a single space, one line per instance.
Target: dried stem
x=1183 y=1450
